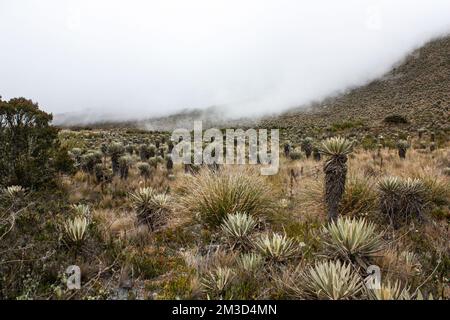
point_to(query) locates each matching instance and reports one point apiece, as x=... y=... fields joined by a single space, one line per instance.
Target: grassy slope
x=417 y=89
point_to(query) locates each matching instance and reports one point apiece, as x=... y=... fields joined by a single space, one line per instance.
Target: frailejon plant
x=151 y=207
x=331 y=280
x=76 y=229
x=307 y=146
x=115 y=151
x=250 y=262
x=402 y=146
x=130 y=149
x=82 y=210
x=402 y=199
x=154 y=161
x=238 y=228
x=216 y=282
x=124 y=166
x=295 y=155
x=316 y=154
x=100 y=173
x=353 y=240
x=76 y=154
x=89 y=160
x=287 y=149
x=13 y=192
x=277 y=247
x=144 y=152
x=145 y=170
x=390 y=291
x=335 y=169
x=169 y=163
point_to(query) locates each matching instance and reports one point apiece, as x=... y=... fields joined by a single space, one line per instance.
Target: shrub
x=446 y=171
x=277 y=247
x=62 y=161
x=154 y=161
x=353 y=240
x=27 y=143
x=395 y=119
x=331 y=280
x=214 y=195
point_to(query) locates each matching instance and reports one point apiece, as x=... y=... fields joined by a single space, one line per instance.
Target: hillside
x=417 y=89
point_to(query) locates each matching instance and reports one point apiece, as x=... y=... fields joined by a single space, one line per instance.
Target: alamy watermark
x=73 y=273
x=228 y=148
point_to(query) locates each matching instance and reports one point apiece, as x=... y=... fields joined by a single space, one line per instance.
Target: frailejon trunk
x=335 y=171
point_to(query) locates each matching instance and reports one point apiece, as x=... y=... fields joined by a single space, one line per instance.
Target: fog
x=134 y=59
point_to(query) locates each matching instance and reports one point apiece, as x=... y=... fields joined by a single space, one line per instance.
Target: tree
x=27 y=144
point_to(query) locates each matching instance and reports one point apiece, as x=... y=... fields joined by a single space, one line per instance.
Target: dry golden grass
x=291 y=201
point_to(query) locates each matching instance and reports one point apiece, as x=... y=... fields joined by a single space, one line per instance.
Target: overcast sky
x=245 y=56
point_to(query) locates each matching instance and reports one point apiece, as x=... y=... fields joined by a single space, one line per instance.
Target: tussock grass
x=213 y=195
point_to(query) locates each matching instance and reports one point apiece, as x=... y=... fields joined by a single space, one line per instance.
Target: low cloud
x=135 y=59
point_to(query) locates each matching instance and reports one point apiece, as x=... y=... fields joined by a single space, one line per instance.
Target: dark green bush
x=27 y=141
x=395 y=119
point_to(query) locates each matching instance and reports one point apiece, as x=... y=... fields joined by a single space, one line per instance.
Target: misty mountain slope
x=418 y=89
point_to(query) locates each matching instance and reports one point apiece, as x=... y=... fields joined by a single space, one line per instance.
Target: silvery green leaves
x=237 y=228
x=217 y=281
x=336 y=146
x=353 y=240
x=332 y=280
x=402 y=199
x=13 y=192
x=76 y=229
x=151 y=207
x=277 y=248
